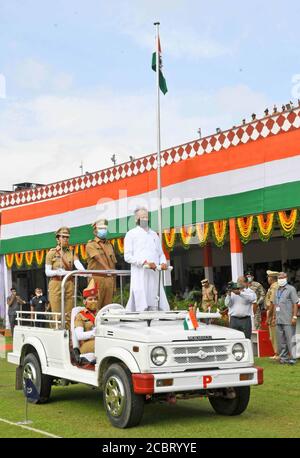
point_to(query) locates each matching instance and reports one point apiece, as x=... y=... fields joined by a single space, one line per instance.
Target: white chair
x=89 y=356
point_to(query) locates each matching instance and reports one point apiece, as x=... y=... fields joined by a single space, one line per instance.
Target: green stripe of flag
x=162 y=81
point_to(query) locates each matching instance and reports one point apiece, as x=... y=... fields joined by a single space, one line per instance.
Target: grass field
x=77 y=411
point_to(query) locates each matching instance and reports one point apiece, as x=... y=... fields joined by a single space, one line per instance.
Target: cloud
x=193 y=41
x=45 y=138
x=33 y=75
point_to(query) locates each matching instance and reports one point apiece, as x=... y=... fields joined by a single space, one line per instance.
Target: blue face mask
x=102 y=233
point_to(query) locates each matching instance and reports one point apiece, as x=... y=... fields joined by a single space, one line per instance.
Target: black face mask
x=144 y=223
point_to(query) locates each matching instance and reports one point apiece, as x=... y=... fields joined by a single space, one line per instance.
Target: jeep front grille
x=200 y=354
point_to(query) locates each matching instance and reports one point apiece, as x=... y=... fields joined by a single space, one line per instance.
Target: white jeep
x=140 y=358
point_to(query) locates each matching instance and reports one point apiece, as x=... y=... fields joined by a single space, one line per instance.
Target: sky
x=76 y=82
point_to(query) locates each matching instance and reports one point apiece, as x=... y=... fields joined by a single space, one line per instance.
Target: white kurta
x=142 y=245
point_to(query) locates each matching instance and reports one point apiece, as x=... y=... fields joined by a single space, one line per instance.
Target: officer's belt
x=58 y=278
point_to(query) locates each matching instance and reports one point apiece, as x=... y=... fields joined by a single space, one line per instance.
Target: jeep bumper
x=196 y=380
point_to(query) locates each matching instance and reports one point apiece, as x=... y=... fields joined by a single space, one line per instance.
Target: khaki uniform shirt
x=259 y=291
x=54 y=258
x=106 y=253
x=83 y=322
x=208 y=294
x=269 y=301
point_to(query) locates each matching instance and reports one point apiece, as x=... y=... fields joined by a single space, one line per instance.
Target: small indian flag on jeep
x=190 y=321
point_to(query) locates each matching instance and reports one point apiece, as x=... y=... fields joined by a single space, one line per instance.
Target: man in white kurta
x=142 y=246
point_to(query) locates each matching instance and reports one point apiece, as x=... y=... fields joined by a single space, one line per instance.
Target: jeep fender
x=39 y=348
x=123 y=355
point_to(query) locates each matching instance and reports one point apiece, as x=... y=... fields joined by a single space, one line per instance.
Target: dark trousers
x=12 y=322
x=242 y=324
x=39 y=324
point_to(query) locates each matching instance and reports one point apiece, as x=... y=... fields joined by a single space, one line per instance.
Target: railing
x=51 y=318
x=88 y=273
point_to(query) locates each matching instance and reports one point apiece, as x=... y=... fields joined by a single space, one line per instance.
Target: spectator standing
x=260 y=294
x=286 y=307
x=271 y=313
x=239 y=300
x=39 y=303
x=14 y=302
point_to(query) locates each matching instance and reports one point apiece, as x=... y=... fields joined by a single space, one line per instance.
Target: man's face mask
x=143 y=222
x=282 y=281
x=102 y=233
x=91 y=303
x=249 y=278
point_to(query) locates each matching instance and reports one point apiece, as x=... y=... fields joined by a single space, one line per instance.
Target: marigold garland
x=169 y=238
x=39 y=257
x=29 y=258
x=9 y=258
x=219 y=231
x=265 y=225
x=288 y=223
x=120 y=245
x=82 y=251
x=19 y=257
x=202 y=230
x=245 y=226
x=186 y=233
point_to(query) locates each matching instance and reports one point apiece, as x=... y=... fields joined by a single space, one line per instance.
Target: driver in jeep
x=85 y=320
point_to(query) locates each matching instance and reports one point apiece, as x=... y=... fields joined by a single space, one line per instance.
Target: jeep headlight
x=238 y=351
x=158 y=356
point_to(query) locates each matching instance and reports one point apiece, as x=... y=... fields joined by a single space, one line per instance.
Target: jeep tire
x=32 y=369
x=124 y=408
x=234 y=406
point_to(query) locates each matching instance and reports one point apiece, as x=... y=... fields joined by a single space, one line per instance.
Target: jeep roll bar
x=83 y=273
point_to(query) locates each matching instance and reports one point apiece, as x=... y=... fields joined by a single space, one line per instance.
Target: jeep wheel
x=235 y=406
x=124 y=408
x=32 y=370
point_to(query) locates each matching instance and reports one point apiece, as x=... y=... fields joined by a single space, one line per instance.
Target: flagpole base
x=25 y=422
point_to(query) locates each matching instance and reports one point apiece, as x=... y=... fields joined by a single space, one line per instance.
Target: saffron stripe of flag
x=193 y=319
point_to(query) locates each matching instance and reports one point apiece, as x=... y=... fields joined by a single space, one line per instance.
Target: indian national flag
x=162 y=81
x=190 y=321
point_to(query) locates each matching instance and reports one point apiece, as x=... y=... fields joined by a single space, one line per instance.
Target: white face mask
x=282 y=281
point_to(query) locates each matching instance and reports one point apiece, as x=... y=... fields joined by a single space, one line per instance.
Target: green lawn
x=77 y=411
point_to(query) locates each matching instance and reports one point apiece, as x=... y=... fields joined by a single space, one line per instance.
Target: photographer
x=239 y=300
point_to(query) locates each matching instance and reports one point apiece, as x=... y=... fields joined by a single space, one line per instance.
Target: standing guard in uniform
x=59 y=261
x=260 y=294
x=209 y=295
x=101 y=256
x=271 y=312
x=84 y=323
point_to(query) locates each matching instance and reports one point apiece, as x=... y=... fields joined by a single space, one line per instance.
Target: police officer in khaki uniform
x=84 y=323
x=59 y=261
x=209 y=294
x=271 y=313
x=101 y=256
x=260 y=294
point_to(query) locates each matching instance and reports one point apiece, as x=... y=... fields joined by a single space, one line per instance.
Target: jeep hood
x=162 y=332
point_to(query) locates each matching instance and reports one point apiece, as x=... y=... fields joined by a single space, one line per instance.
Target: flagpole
x=159 y=193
